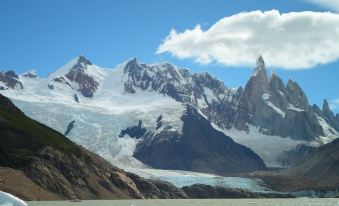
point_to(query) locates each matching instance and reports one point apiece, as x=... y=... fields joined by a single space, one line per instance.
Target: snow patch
x=266 y=146
x=292 y=107
x=265 y=97
x=330 y=134
x=210 y=96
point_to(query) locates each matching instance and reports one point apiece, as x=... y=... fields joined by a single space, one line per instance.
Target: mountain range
x=163 y=117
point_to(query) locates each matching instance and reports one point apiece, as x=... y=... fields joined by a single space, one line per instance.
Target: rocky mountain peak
x=30 y=74
x=260 y=61
x=251 y=98
x=87 y=84
x=259 y=80
x=277 y=91
x=276 y=83
x=132 y=66
x=327 y=111
x=81 y=63
x=296 y=95
x=12 y=74
x=260 y=68
x=207 y=80
x=10 y=80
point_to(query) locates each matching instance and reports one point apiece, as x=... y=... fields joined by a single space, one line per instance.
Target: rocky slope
x=320 y=165
x=45 y=161
x=316 y=170
x=198 y=147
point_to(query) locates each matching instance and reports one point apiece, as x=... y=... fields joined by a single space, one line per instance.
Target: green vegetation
x=22 y=138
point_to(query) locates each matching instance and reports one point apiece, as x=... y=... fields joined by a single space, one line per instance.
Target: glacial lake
x=196 y=202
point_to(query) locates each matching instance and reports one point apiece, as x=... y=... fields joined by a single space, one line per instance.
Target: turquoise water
x=209 y=202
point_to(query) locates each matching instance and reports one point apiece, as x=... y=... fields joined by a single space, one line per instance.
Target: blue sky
x=44 y=35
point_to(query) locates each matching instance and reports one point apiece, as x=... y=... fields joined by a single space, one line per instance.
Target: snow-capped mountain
x=116 y=112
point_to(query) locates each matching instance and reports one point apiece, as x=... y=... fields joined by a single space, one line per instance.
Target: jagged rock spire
x=296 y=95
x=327 y=111
x=260 y=62
x=81 y=63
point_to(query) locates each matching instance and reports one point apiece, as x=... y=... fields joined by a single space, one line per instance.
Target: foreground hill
x=316 y=170
x=320 y=165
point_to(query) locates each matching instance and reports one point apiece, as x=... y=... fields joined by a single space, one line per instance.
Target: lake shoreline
x=195 y=202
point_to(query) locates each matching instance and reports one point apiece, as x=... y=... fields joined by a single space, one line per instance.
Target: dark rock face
x=69 y=127
x=199 y=191
x=278 y=91
x=302 y=125
x=11 y=80
x=76 y=98
x=134 y=132
x=50 y=86
x=62 y=80
x=159 y=123
x=329 y=116
x=87 y=85
x=296 y=95
x=199 y=147
x=250 y=105
x=327 y=111
x=30 y=75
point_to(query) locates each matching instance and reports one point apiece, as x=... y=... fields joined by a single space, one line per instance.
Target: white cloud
x=330 y=4
x=296 y=40
x=334 y=104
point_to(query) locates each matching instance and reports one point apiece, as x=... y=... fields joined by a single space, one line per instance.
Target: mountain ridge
x=135 y=91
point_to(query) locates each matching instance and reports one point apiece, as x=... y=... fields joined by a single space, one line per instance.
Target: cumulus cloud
x=296 y=40
x=330 y=4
